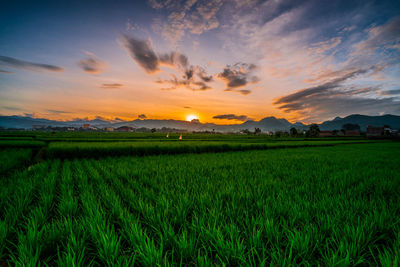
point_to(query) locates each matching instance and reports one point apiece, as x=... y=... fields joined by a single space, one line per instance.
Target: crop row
x=310 y=206
x=72 y=150
x=13 y=159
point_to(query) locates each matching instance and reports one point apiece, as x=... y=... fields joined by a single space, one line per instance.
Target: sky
x=221 y=61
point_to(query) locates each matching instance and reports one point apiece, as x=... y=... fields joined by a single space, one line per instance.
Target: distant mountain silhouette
x=265 y=124
x=362 y=120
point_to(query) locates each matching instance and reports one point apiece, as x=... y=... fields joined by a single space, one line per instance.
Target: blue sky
x=303 y=60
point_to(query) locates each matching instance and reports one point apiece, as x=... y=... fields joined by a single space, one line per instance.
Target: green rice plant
x=68 y=204
x=13 y=160
x=100 y=149
x=320 y=205
x=21 y=144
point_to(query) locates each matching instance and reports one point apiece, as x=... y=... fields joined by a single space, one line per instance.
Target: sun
x=191 y=117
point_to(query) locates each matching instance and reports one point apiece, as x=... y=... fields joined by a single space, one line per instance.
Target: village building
x=125 y=129
x=325 y=133
x=374 y=131
x=352 y=133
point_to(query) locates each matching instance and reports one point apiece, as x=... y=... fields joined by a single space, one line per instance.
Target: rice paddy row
x=336 y=205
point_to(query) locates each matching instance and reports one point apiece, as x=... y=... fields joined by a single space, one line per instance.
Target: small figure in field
x=167 y=135
x=180 y=137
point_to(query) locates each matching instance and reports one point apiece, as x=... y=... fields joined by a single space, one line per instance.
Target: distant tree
x=387 y=130
x=245 y=131
x=278 y=134
x=257 y=130
x=153 y=130
x=314 y=130
x=293 y=131
x=335 y=132
x=350 y=127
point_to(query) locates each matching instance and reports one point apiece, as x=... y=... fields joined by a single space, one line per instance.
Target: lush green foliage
x=13 y=159
x=102 y=149
x=123 y=136
x=325 y=206
x=21 y=143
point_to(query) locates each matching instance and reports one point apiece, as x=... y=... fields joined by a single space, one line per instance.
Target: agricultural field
x=258 y=201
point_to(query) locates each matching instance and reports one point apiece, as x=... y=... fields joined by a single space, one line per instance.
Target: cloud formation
x=237 y=76
x=142 y=52
x=20 y=64
x=53 y=111
x=192 y=77
x=191 y=16
x=394 y=92
x=92 y=65
x=142 y=116
x=338 y=97
x=386 y=36
x=187 y=82
x=111 y=85
x=231 y=117
x=6 y=72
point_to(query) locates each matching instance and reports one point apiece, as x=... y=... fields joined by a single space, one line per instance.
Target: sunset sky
x=304 y=61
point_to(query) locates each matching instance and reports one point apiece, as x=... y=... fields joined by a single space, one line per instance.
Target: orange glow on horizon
x=191 y=117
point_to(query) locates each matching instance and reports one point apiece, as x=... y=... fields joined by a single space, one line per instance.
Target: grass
x=72 y=150
x=21 y=144
x=14 y=159
x=336 y=205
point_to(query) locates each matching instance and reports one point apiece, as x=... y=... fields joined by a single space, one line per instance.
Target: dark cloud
x=111 y=85
x=320 y=89
x=174 y=59
x=92 y=65
x=186 y=107
x=231 y=117
x=142 y=52
x=58 y=111
x=6 y=72
x=20 y=64
x=188 y=83
x=142 y=116
x=201 y=73
x=390 y=92
x=192 y=77
x=12 y=108
x=335 y=98
x=238 y=76
x=241 y=91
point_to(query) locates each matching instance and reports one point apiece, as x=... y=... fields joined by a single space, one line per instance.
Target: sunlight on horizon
x=192 y=117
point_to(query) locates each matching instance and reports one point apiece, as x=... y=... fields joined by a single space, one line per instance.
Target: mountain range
x=265 y=124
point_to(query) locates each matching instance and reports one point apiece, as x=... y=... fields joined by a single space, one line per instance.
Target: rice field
x=302 y=203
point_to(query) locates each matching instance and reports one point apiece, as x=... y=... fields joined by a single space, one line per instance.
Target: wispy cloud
x=54 y=111
x=191 y=77
x=111 y=85
x=142 y=52
x=12 y=108
x=92 y=65
x=6 y=72
x=231 y=117
x=190 y=16
x=338 y=97
x=385 y=36
x=142 y=116
x=238 y=76
x=187 y=82
x=395 y=92
x=20 y=64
